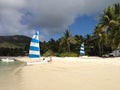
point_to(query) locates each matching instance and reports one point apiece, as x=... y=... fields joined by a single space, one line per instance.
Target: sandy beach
x=70 y=73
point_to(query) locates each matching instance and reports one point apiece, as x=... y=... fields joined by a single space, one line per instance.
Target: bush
x=68 y=54
x=48 y=53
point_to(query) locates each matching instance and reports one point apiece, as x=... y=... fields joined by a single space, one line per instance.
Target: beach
x=72 y=73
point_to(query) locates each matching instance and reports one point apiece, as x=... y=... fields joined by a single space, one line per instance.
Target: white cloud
x=53 y=16
x=10 y=17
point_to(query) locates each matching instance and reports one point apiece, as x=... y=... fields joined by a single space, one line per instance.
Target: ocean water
x=10 y=76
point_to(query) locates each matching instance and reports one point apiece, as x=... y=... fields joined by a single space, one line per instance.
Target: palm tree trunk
x=68 y=46
x=99 y=48
x=102 y=50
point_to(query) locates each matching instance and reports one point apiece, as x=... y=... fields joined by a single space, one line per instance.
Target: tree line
x=12 y=51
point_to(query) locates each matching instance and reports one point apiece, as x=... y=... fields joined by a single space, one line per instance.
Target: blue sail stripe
x=34 y=48
x=35 y=40
x=82 y=46
x=82 y=52
x=33 y=56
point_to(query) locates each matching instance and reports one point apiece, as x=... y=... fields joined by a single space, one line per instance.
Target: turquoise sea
x=10 y=78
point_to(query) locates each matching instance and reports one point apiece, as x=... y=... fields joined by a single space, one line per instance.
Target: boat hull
x=7 y=60
x=38 y=62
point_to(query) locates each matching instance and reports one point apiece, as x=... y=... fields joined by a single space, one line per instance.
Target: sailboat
x=34 y=50
x=82 y=51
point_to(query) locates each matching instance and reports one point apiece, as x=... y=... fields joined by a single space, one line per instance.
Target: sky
x=50 y=17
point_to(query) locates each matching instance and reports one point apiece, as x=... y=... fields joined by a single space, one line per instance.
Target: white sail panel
x=34 y=52
x=34 y=44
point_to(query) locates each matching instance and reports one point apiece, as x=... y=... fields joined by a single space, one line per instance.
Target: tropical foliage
x=108 y=28
x=66 y=41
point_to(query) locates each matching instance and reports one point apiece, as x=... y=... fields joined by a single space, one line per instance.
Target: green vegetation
x=14 y=45
x=68 y=54
x=66 y=41
x=48 y=53
x=9 y=45
x=105 y=38
x=108 y=29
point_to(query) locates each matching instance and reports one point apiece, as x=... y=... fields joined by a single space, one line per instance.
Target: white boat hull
x=37 y=62
x=7 y=60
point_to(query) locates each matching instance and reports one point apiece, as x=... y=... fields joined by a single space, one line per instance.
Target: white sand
x=82 y=73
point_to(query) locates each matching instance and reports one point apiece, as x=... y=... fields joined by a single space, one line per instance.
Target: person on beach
x=44 y=60
x=50 y=59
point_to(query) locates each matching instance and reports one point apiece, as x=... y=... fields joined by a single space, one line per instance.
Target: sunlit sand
x=81 y=73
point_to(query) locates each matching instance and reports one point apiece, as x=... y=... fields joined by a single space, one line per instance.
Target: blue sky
x=84 y=25
x=50 y=17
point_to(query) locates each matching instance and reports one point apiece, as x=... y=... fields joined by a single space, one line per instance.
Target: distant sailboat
x=82 y=51
x=34 y=50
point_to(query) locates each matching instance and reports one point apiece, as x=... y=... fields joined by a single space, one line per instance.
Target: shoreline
x=81 y=58
x=114 y=60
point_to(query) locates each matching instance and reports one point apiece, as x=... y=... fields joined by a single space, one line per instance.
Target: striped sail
x=34 y=50
x=82 y=52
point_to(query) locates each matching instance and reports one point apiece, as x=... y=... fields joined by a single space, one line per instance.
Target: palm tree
x=66 y=40
x=109 y=25
x=53 y=45
x=78 y=40
x=90 y=48
x=101 y=37
x=108 y=19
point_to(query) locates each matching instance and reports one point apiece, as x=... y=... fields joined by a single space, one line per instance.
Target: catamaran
x=34 y=50
x=82 y=51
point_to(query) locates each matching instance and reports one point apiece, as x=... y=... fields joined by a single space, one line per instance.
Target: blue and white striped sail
x=34 y=50
x=82 y=51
